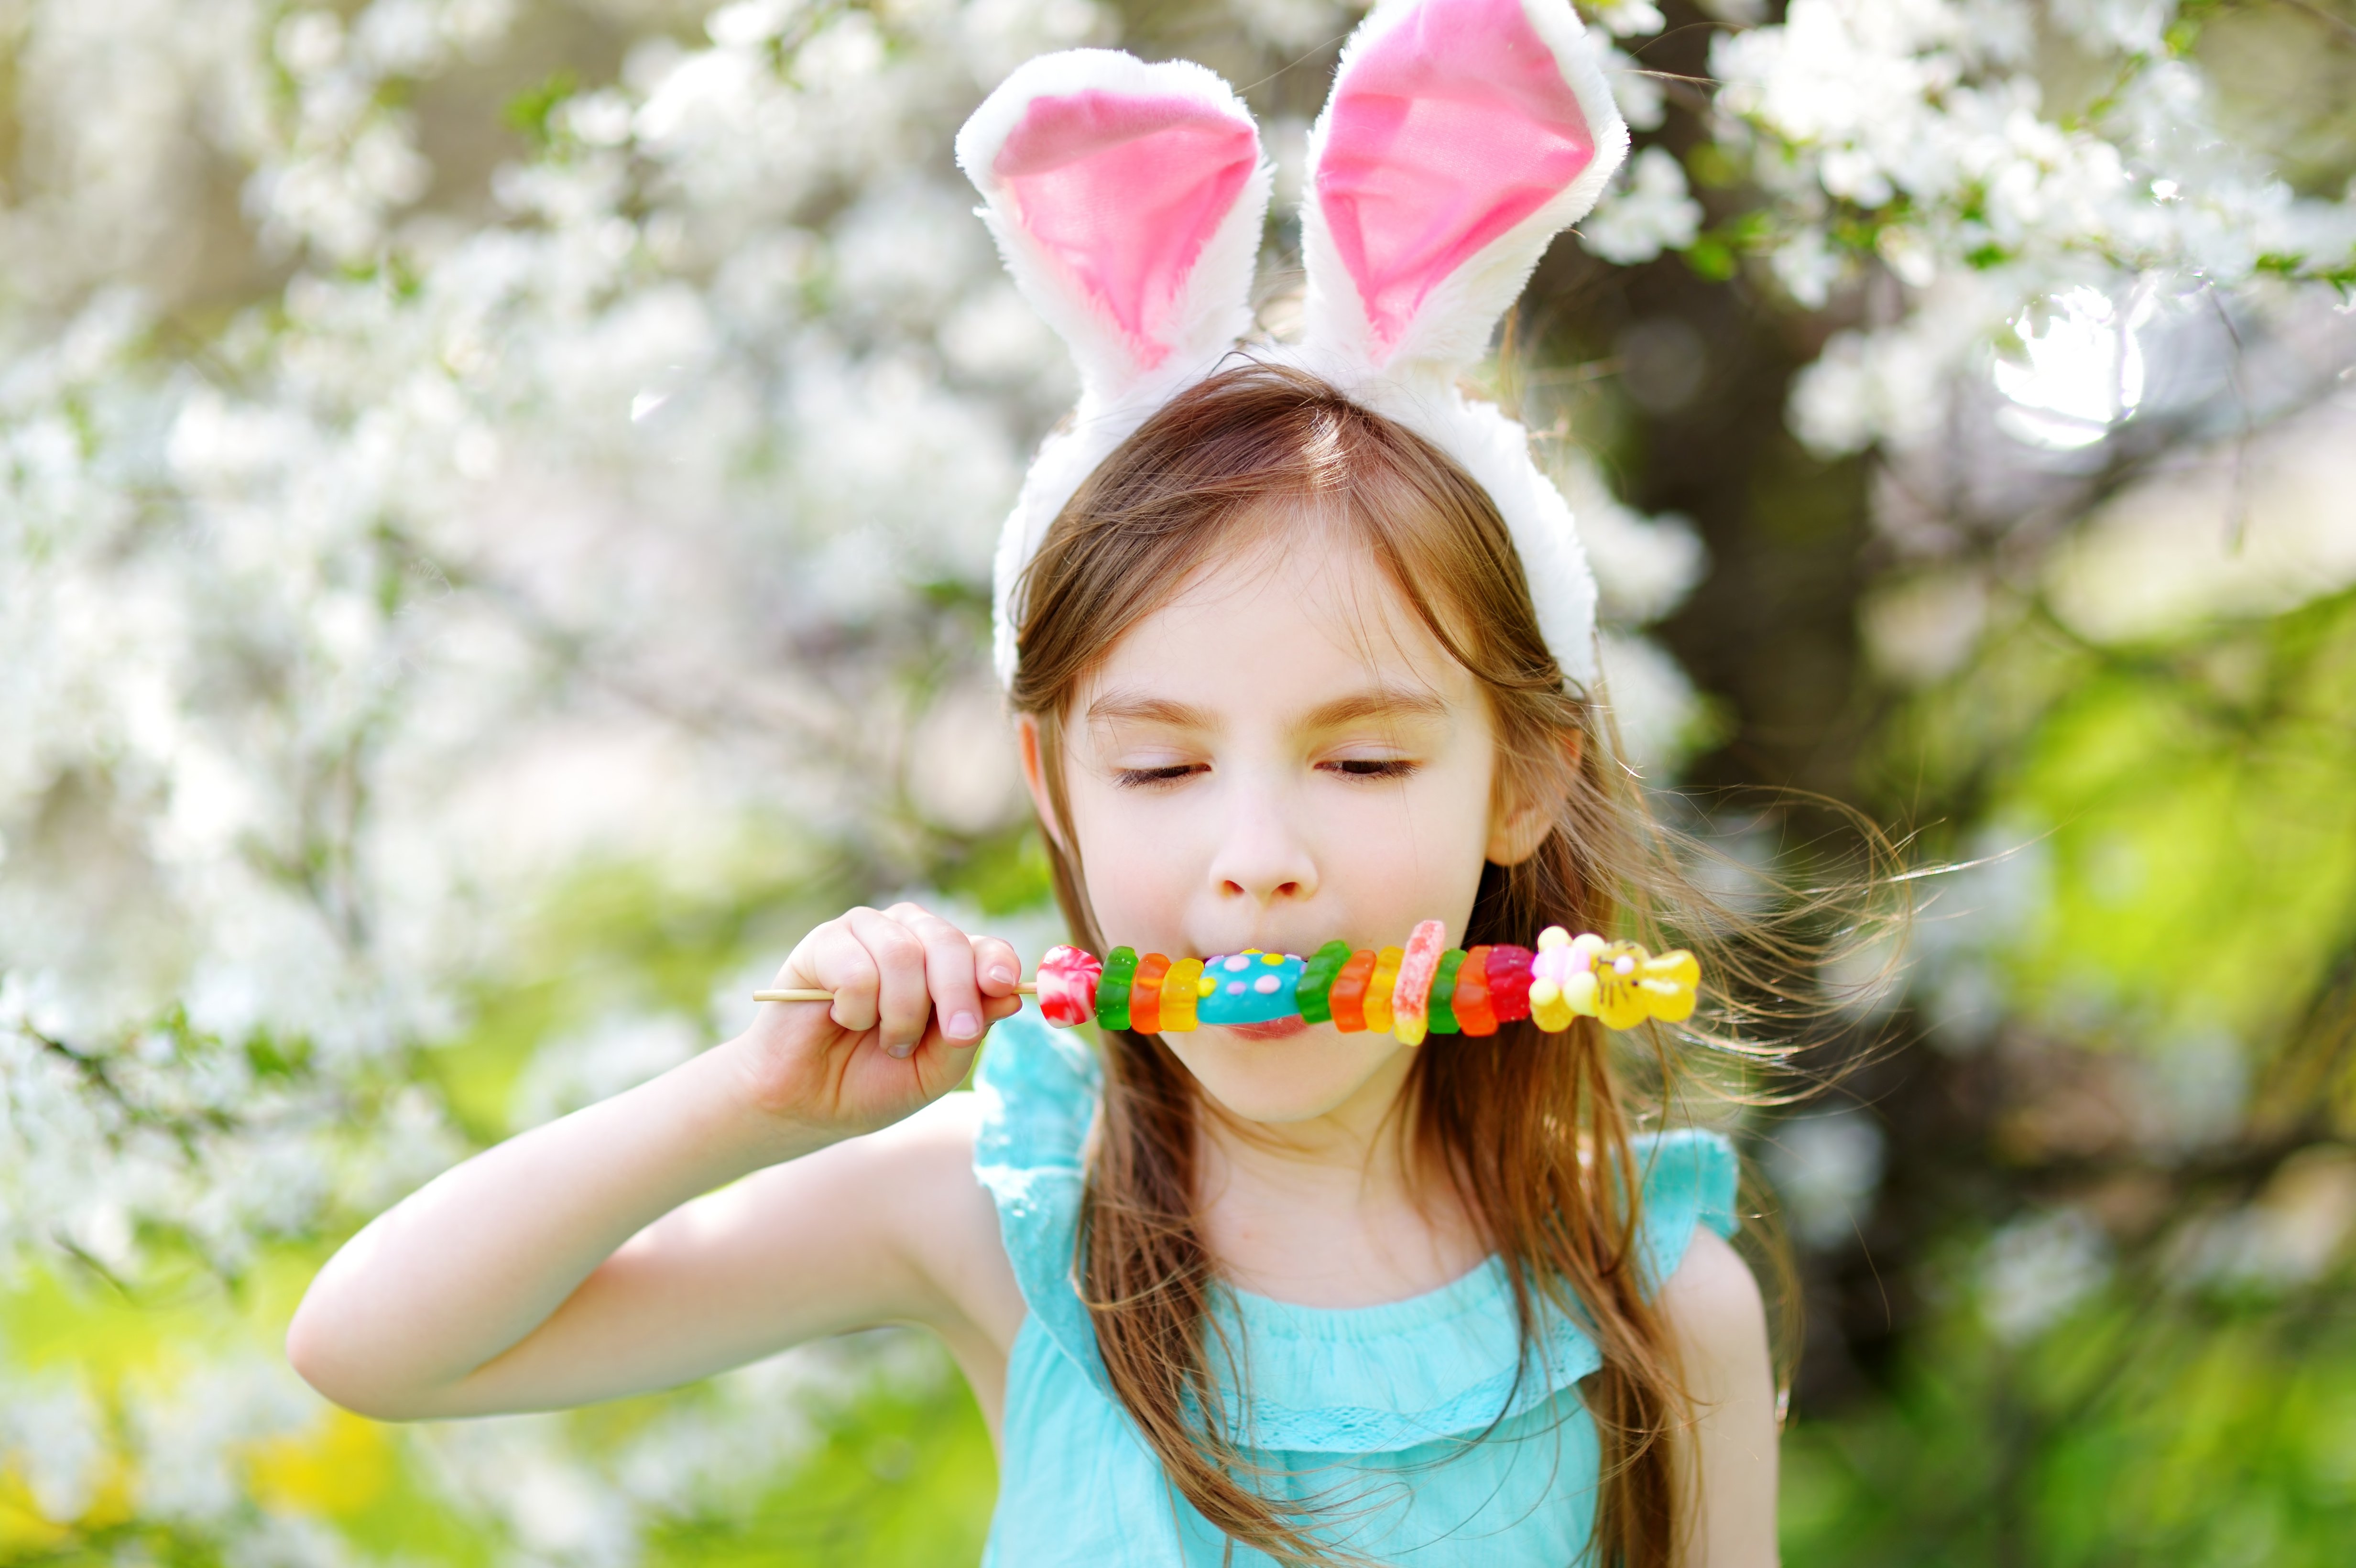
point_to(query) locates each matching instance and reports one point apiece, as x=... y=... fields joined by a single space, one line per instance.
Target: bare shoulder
x=1726 y=1458
x=1713 y=1300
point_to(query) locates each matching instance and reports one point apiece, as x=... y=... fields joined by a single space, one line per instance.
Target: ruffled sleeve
x=1038 y=1089
x=1688 y=1179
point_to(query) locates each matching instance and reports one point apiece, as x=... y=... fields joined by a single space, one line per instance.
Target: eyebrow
x=1378 y=702
x=1122 y=707
x=1381 y=702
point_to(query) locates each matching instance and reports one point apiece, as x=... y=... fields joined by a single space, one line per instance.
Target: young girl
x=1296 y=647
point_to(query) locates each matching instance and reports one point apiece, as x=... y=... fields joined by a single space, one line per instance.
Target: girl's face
x=1281 y=755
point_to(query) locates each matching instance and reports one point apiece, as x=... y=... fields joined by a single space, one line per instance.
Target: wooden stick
x=810 y=994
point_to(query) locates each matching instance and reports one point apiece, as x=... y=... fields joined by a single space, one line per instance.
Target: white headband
x=1461 y=136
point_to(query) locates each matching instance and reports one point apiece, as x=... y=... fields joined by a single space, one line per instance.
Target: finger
x=950 y=974
x=902 y=1000
x=995 y=960
x=831 y=959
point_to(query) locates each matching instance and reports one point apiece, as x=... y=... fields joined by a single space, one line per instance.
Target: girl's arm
x=583 y=1260
x=1713 y=1307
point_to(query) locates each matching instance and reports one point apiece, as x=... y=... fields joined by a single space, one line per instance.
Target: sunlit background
x=495 y=505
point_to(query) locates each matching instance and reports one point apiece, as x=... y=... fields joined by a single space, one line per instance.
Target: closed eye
x=1373 y=767
x=1148 y=778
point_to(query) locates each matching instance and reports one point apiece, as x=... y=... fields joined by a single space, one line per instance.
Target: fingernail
x=900 y=1049
x=1002 y=976
x=964 y=1026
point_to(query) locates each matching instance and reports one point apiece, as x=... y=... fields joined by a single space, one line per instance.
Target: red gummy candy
x=1509 y=982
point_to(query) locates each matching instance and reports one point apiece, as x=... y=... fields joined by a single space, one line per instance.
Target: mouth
x=1274 y=1028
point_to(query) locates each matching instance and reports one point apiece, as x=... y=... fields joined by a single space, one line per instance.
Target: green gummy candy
x=1112 y=987
x=1438 y=1013
x=1311 y=996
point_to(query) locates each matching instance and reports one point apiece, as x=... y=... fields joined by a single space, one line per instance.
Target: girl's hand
x=913 y=996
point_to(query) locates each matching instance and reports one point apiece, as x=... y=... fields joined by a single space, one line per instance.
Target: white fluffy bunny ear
x=1462 y=137
x=1127 y=200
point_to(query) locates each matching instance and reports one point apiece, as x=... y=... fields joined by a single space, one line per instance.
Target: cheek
x=1291 y=1080
x=1415 y=856
x=1140 y=872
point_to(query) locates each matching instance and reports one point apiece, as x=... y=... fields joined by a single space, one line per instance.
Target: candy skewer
x=813 y=994
x=1403 y=992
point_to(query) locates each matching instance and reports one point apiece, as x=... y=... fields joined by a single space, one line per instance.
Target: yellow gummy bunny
x=1623 y=984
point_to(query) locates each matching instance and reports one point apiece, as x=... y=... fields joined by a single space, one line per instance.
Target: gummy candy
x=1379 y=988
x=1179 y=996
x=1145 y=994
x=1411 y=993
x=1348 y=994
x=1248 y=987
x=1549 y=1010
x=1067 y=985
x=1633 y=986
x=1112 y=990
x=1317 y=977
x=1471 y=1001
x=1440 y=1016
x=1509 y=982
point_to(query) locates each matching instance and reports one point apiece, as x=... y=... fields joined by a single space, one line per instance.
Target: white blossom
x=1650 y=211
x=1826 y=1165
x=1865 y=103
x=2036 y=1269
x=1656 y=711
x=1628 y=18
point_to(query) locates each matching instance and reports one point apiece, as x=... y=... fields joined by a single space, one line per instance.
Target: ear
x=1463 y=135
x=1035 y=776
x=1528 y=809
x=1127 y=199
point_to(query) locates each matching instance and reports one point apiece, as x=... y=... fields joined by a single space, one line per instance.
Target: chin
x=1266 y=1075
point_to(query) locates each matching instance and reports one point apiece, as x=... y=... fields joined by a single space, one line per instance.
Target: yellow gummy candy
x=1632 y=986
x=1668 y=985
x=1549 y=1010
x=1621 y=1005
x=1678 y=968
x=1666 y=1001
x=1379 y=987
x=1179 y=989
x=1579 y=993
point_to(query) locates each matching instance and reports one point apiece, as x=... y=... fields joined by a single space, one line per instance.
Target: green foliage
x=2154 y=1427
x=2193 y=801
x=899 y=1480
x=2192 y=805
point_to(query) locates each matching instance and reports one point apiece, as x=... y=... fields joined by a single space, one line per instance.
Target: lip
x=1275 y=1028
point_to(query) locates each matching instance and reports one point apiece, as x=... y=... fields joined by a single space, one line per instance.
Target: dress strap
x=1038 y=1089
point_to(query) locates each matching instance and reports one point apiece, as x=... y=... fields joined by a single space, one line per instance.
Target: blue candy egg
x=1248 y=987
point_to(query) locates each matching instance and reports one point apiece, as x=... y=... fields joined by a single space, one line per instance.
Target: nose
x=1263 y=858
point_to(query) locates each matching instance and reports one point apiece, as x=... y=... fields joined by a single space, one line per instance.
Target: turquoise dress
x=1379 y=1409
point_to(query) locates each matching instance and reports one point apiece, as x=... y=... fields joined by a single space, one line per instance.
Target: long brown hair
x=1531 y=1132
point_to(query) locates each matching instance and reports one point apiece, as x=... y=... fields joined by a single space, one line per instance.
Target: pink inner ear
x=1125 y=192
x=1455 y=127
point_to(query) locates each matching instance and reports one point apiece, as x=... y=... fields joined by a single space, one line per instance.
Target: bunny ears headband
x=1127 y=198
